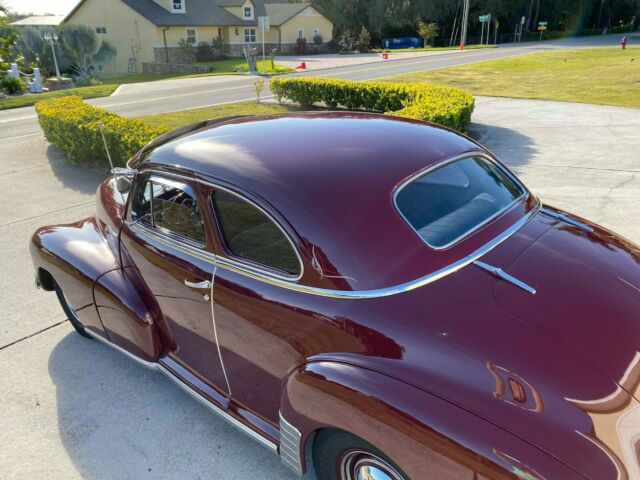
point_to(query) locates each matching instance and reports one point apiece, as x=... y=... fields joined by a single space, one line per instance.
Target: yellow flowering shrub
x=446 y=106
x=73 y=126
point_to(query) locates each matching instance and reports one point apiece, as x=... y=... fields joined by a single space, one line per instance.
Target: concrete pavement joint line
x=24 y=169
x=46 y=213
x=34 y=334
x=2 y=139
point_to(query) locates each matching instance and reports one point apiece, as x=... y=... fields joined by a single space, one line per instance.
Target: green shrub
x=87 y=82
x=73 y=126
x=446 y=106
x=12 y=86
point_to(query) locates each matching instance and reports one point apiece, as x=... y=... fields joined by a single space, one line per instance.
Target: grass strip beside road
x=84 y=92
x=600 y=75
x=178 y=119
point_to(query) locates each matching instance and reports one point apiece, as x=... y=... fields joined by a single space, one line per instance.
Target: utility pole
x=455 y=21
x=465 y=20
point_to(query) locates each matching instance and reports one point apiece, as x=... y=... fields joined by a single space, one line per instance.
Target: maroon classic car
x=369 y=297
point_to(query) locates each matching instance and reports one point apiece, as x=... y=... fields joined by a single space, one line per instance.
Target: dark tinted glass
x=250 y=234
x=445 y=204
x=141 y=203
x=168 y=207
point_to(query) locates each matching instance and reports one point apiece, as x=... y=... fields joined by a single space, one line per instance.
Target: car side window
x=170 y=207
x=250 y=234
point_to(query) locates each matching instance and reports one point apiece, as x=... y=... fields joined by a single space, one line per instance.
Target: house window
x=192 y=36
x=177 y=5
x=301 y=33
x=101 y=30
x=316 y=32
x=248 y=12
x=250 y=35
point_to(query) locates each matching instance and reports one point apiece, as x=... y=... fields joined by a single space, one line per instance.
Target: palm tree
x=428 y=31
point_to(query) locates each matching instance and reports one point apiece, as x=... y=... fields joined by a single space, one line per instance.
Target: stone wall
x=187 y=69
x=176 y=55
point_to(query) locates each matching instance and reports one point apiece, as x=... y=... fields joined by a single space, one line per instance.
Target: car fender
x=75 y=255
x=428 y=437
x=129 y=313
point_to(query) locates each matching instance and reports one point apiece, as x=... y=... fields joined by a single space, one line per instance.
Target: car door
x=260 y=330
x=166 y=237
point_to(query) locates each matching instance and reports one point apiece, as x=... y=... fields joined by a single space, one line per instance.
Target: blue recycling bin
x=402 y=42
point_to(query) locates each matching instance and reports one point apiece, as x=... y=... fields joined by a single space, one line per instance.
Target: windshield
x=448 y=203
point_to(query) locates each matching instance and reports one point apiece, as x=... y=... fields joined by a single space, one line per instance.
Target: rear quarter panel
x=427 y=436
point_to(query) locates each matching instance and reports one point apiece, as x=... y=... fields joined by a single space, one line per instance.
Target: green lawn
x=178 y=119
x=84 y=92
x=602 y=75
x=227 y=66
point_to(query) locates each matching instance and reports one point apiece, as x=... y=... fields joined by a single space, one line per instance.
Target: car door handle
x=206 y=285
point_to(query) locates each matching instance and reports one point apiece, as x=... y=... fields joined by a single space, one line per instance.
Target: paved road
x=71 y=408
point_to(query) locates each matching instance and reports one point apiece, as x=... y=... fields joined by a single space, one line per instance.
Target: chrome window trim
x=165 y=231
x=245 y=262
x=269 y=278
x=232 y=262
x=353 y=294
x=443 y=163
x=262 y=440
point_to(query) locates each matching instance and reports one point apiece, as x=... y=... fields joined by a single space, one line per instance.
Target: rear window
x=448 y=203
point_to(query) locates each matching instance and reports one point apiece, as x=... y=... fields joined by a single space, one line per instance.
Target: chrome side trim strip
x=498 y=272
x=217 y=410
x=215 y=330
x=290 y=438
x=224 y=415
x=350 y=294
x=567 y=219
x=135 y=358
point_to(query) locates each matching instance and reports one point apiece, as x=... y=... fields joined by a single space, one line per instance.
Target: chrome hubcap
x=361 y=465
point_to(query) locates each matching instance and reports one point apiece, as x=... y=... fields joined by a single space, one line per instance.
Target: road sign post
x=484 y=19
x=542 y=26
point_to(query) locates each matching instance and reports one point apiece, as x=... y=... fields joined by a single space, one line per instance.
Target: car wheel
x=69 y=311
x=342 y=456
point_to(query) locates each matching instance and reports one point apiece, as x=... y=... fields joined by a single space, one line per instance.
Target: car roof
x=330 y=175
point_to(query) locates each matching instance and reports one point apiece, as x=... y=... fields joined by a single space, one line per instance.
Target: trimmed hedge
x=72 y=125
x=446 y=106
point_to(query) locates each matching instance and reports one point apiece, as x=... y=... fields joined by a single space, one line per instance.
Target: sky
x=58 y=7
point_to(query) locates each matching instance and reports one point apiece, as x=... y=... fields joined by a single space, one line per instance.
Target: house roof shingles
x=39 y=20
x=211 y=12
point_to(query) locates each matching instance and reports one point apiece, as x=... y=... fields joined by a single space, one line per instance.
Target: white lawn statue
x=35 y=86
x=13 y=72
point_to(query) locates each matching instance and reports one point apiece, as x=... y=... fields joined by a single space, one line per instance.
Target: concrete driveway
x=72 y=408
